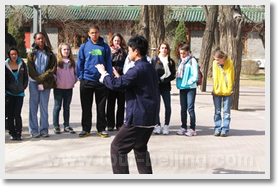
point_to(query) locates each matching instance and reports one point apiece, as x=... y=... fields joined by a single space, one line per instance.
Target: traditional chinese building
x=70 y=24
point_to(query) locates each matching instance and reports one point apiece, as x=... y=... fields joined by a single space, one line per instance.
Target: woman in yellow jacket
x=223 y=79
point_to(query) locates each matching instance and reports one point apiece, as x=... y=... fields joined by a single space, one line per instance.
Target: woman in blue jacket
x=187 y=77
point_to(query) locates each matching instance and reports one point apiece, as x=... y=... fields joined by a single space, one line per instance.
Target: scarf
x=179 y=73
x=165 y=63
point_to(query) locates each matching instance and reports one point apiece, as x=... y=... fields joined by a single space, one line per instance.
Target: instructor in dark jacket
x=142 y=108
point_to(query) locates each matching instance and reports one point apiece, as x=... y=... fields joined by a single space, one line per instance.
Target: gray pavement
x=242 y=152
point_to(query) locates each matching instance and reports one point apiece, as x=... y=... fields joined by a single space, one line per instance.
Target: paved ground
x=242 y=152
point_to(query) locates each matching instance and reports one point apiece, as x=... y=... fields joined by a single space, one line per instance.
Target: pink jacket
x=66 y=77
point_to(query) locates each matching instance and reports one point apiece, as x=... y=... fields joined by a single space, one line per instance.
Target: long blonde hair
x=60 y=60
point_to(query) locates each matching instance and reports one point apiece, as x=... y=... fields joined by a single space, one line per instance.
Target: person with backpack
x=186 y=82
x=166 y=72
x=93 y=52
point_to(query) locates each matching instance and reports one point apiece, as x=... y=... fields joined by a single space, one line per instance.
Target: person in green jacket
x=42 y=64
x=223 y=79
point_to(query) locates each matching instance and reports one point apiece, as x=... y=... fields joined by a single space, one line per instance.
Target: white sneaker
x=182 y=131
x=191 y=133
x=165 y=130
x=157 y=129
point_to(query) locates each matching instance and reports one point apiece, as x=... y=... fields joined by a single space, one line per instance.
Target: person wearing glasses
x=93 y=52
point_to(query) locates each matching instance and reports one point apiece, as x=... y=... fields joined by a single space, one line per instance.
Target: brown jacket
x=47 y=78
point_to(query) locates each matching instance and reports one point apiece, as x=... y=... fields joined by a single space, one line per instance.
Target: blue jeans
x=187 y=102
x=217 y=100
x=166 y=96
x=62 y=96
x=38 y=98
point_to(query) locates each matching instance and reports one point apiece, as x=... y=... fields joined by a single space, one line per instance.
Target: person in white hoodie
x=66 y=77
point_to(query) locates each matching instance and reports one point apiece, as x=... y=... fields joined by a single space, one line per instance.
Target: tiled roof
x=177 y=13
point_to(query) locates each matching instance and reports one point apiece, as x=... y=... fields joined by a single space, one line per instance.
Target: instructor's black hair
x=140 y=43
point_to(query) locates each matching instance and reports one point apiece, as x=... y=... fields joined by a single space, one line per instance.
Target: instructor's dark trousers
x=128 y=138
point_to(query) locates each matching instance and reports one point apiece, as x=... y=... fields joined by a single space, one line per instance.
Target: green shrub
x=19 y=34
x=180 y=36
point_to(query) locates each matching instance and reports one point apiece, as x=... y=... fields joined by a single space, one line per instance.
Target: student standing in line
x=16 y=81
x=223 y=79
x=118 y=56
x=41 y=63
x=142 y=108
x=9 y=42
x=93 y=52
x=66 y=77
x=166 y=71
x=187 y=77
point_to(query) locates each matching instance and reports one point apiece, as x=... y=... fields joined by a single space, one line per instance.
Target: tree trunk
x=231 y=42
x=207 y=41
x=157 y=28
x=215 y=47
x=144 y=22
x=262 y=33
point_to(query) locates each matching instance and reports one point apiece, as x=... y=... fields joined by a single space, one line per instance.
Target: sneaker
x=191 y=132
x=36 y=135
x=110 y=128
x=216 y=133
x=224 y=134
x=57 y=130
x=84 y=134
x=45 y=135
x=165 y=130
x=103 y=134
x=13 y=137
x=157 y=129
x=18 y=136
x=182 y=131
x=69 y=129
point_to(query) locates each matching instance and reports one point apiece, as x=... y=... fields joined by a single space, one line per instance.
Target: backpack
x=200 y=74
